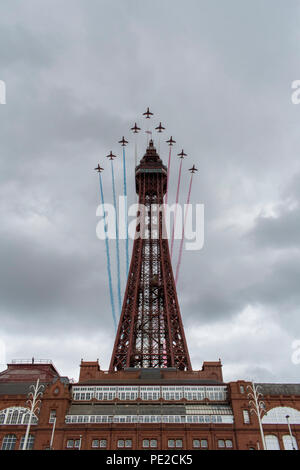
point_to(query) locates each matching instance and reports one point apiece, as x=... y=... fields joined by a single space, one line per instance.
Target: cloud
x=218 y=77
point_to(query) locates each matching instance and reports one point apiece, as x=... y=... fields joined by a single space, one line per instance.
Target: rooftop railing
x=31 y=361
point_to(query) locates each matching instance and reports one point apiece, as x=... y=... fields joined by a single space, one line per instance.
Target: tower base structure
x=211 y=371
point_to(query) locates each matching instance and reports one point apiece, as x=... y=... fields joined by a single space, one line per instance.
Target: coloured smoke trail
x=192 y=170
x=181 y=155
x=135 y=129
x=111 y=157
x=108 y=264
x=124 y=142
x=150 y=290
x=126 y=213
x=171 y=141
x=169 y=167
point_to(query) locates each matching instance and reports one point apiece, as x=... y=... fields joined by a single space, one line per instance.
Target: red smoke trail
x=177 y=197
x=182 y=237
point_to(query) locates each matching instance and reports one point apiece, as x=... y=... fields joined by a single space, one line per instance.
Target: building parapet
x=210 y=372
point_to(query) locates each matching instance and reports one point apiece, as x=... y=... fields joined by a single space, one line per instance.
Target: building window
x=204 y=443
x=246 y=417
x=225 y=443
x=272 y=443
x=175 y=443
x=52 y=416
x=289 y=443
x=30 y=442
x=278 y=415
x=149 y=443
x=9 y=442
x=70 y=444
x=242 y=389
x=197 y=443
x=102 y=443
x=150 y=393
x=125 y=443
x=171 y=443
x=146 y=443
x=73 y=444
x=190 y=418
x=16 y=415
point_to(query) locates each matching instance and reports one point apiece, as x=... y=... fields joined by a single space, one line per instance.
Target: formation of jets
x=135 y=129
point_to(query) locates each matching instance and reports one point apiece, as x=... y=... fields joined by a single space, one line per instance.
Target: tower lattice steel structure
x=150 y=331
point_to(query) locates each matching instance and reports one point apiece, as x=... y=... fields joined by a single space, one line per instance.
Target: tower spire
x=150 y=331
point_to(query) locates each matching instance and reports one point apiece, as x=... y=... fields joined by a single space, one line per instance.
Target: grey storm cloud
x=218 y=76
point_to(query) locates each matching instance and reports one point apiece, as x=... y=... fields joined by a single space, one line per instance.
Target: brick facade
x=59 y=397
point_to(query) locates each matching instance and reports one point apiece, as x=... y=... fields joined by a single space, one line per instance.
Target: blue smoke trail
x=126 y=213
x=117 y=237
x=108 y=258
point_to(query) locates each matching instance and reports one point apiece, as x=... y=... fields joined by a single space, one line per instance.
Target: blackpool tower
x=150 y=332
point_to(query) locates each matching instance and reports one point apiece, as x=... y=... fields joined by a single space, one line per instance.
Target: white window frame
x=289 y=442
x=9 y=442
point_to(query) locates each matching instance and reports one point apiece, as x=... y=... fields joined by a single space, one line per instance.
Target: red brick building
x=143 y=409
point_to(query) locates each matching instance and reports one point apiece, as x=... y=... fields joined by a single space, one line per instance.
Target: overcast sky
x=218 y=76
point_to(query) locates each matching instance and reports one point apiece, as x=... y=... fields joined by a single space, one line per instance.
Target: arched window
x=278 y=415
x=288 y=443
x=16 y=415
x=30 y=442
x=9 y=442
x=272 y=442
